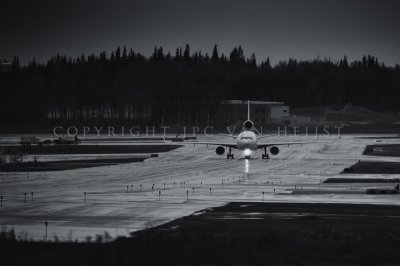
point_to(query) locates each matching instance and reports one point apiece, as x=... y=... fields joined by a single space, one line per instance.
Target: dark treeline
x=184 y=87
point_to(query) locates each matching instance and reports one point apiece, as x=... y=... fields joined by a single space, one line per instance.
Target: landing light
x=247 y=152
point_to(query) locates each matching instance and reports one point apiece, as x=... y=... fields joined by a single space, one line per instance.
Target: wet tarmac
x=128 y=197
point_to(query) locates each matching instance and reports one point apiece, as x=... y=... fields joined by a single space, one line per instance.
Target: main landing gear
x=265 y=155
x=229 y=155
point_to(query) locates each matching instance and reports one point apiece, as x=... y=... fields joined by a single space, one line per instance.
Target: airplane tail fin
x=248 y=109
x=248 y=124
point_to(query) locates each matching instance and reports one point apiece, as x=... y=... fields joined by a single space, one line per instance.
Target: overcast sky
x=277 y=29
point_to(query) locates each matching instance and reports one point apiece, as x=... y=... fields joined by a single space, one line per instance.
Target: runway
x=120 y=199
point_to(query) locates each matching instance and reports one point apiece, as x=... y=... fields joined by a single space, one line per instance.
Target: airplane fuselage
x=247 y=140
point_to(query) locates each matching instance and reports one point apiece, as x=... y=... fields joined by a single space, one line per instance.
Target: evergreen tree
x=267 y=64
x=124 y=54
x=15 y=63
x=118 y=54
x=241 y=54
x=186 y=53
x=252 y=59
x=214 y=56
x=177 y=54
x=234 y=56
x=160 y=53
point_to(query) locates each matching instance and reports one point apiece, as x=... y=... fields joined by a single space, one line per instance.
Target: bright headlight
x=247 y=152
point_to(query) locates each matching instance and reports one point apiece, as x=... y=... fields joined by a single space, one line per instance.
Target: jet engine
x=220 y=150
x=274 y=150
x=248 y=125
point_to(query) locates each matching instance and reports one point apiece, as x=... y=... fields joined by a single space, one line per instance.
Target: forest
x=125 y=86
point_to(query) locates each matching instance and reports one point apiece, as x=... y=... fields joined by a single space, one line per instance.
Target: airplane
x=247 y=141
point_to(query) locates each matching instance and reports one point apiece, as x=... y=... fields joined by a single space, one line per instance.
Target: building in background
x=231 y=111
x=5 y=67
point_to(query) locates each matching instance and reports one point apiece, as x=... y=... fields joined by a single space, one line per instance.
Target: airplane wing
x=228 y=135
x=264 y=145
x=266 y=136
x=225 y=144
